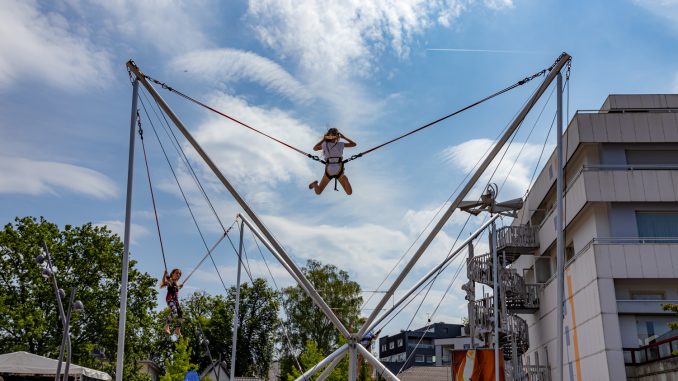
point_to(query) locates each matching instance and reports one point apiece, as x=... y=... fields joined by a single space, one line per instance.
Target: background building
x=428 y=346
x=621 y=233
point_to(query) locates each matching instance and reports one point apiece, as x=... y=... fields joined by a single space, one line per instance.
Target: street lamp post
x=47 y=273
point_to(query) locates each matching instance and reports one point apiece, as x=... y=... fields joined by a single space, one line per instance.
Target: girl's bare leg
x=343 y=180
x=319 y=188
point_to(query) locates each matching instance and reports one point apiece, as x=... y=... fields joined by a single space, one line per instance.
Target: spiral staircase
x=515 y=296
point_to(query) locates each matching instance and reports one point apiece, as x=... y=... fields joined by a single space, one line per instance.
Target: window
x=419 y=358
x=542 y=267
x=657 y=224
x=569 y=252
x=383 y=348
x=650 y=157
x=400 y=343
x=429 y=359
x=468 y=346
x=391 y=345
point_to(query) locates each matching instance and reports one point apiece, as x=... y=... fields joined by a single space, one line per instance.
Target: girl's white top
x=332 y=153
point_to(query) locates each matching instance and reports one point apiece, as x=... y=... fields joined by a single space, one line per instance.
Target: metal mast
x=560 y=235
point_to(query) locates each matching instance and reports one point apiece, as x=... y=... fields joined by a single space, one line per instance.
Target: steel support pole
x=250 y=213
x=60 y=305
x=560 y=63
x=327 y=360
x=67 y=334
x=272 y=251
x=560 y=236
x=431 y=273
x=352 y=362
x=209 y=252
x=495 y=298
x=328 y=369
x=236 y=317
x=472 y=298
x=126 y=240
x=381 y=369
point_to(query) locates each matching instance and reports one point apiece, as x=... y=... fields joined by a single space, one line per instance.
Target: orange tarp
x=476 y=365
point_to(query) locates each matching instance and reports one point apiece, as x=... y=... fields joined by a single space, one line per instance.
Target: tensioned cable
x=182 y=154
x=183 y=195
x=468 y=174
x=284 y=305
x=430 y=283
x=459 y=268
x=316 y=158
x=150 y=185
x=177 y=146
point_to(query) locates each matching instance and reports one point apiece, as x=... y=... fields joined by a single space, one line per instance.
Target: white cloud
x=46 y=47
x=499 y=4
x=338 y=37
x=169 y=26
x=34 y=177
x=231 y=65
x=252 y=159
x=464 y=156
x=118 y=227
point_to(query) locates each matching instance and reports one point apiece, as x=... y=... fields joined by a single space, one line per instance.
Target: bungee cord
x=361 y=154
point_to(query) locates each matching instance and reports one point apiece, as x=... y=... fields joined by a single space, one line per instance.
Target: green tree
x=213 y=316
x=306 y=322
x=87 y=258
x=179 y=363
x=673 y=324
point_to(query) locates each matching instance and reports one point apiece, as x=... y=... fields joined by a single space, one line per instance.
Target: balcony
x=653 y=352
x=652 y=307
x=516 y=240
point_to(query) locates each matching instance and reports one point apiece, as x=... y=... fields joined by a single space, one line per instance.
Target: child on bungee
x=171 y=281
x=333 y=150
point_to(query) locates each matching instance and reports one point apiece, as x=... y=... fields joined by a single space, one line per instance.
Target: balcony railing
x=653 y=352
x=521 y=238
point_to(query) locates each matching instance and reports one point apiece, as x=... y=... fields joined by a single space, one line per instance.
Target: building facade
x=428 y=346
x=621 y=240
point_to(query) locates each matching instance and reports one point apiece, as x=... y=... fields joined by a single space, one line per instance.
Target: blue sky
x=291 y=68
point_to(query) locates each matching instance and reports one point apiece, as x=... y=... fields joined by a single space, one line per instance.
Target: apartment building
x=621 y=239
x=427 y=346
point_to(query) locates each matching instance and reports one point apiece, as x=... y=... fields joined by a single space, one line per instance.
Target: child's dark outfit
x=172 y=300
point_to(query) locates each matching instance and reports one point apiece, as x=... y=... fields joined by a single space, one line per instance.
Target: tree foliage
x=179 y=363
x=306 y=322
x=210 y=318
x=311 y=334
x=87 y=258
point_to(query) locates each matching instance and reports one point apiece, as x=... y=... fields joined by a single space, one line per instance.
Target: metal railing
x=653 y=352
x=522 y=236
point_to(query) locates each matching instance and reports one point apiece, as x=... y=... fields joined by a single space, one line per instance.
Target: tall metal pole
x=236 y=317
x=62 y=315
x=560 y=236
x=495 y=298
x=562 y=60
x=67 y=334
x=352 y=362
x=250 y=213
x=471 y=302
x=126 y=240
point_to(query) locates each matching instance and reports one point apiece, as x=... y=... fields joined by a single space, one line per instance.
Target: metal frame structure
x=353 y=347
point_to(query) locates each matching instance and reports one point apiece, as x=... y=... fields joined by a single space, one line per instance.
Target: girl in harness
x=171 y=281
x=333 y=150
